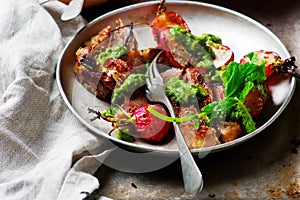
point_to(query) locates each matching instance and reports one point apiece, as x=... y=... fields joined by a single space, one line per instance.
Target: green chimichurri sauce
x=131 y=83
x=184 y=93
x=198 y=46
x=112 y=52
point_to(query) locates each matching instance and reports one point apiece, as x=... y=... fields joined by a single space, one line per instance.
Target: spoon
x=72 y=10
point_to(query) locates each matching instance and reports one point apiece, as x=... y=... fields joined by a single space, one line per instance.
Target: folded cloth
x=42 y=153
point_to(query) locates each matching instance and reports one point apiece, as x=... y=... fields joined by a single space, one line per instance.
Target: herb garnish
x=183 y=93
x=197 y=45
x=239 y=80
x=112 y=52
x=130 y=84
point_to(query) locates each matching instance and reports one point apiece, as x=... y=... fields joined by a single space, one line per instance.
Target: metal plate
x=241 y=33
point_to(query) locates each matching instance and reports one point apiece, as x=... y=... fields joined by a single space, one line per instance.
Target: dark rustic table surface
x=267 y=166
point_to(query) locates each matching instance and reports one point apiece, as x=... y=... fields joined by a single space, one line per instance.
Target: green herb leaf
x=248 y=87
x=211 y=39
x=196 y=124
x=241 y=112
x=229 y=108
x=123 y=134
x=110 y=112
x=253 y=58
x=239 y=79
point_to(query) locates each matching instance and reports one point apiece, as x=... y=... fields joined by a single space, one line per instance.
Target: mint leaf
x=248 y=87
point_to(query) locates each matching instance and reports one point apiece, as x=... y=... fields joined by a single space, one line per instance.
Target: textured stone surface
x=267 y=166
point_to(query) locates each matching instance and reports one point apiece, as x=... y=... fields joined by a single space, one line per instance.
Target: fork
x=192 y=177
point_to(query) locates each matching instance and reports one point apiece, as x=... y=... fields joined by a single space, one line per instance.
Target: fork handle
x=192 y=177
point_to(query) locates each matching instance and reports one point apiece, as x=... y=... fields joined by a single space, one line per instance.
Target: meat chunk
x=202 y=136
x=193 y=75
x=123 y=36
x=140 y=57
x=92 y=44
x=116 y=68
x=137 y=100
x=171 y=73
x=100 y=79
x=218 y=92
x=208 y=136
x=229 y=131
x=88 y=79
x=178 y=55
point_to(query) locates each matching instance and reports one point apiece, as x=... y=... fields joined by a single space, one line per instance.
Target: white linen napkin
x=42 y=153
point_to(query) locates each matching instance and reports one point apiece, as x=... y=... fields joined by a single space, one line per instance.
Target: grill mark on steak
x=178 y=52
x=196 y=138
x=123 y=36
x=229 y=131
x=193 y=75
x=100 y=80
x=171 y=73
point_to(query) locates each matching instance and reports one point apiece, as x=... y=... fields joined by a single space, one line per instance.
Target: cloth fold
x=39 y=136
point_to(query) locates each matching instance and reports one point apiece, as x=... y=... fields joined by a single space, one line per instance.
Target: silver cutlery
x=72 y=10
x=192 y=177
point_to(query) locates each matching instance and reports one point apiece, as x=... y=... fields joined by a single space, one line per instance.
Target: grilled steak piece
x=136 y=100
x=140 y=57
x=194 y=75
x=100 y=79
x=123 y=36
x=176 y=52
x=229 y=131
x=203 y=136
x=218 y=92
x=101 y=84
x=116 y=69
x=93 y=47
x=171 y=73
x=88 y=79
